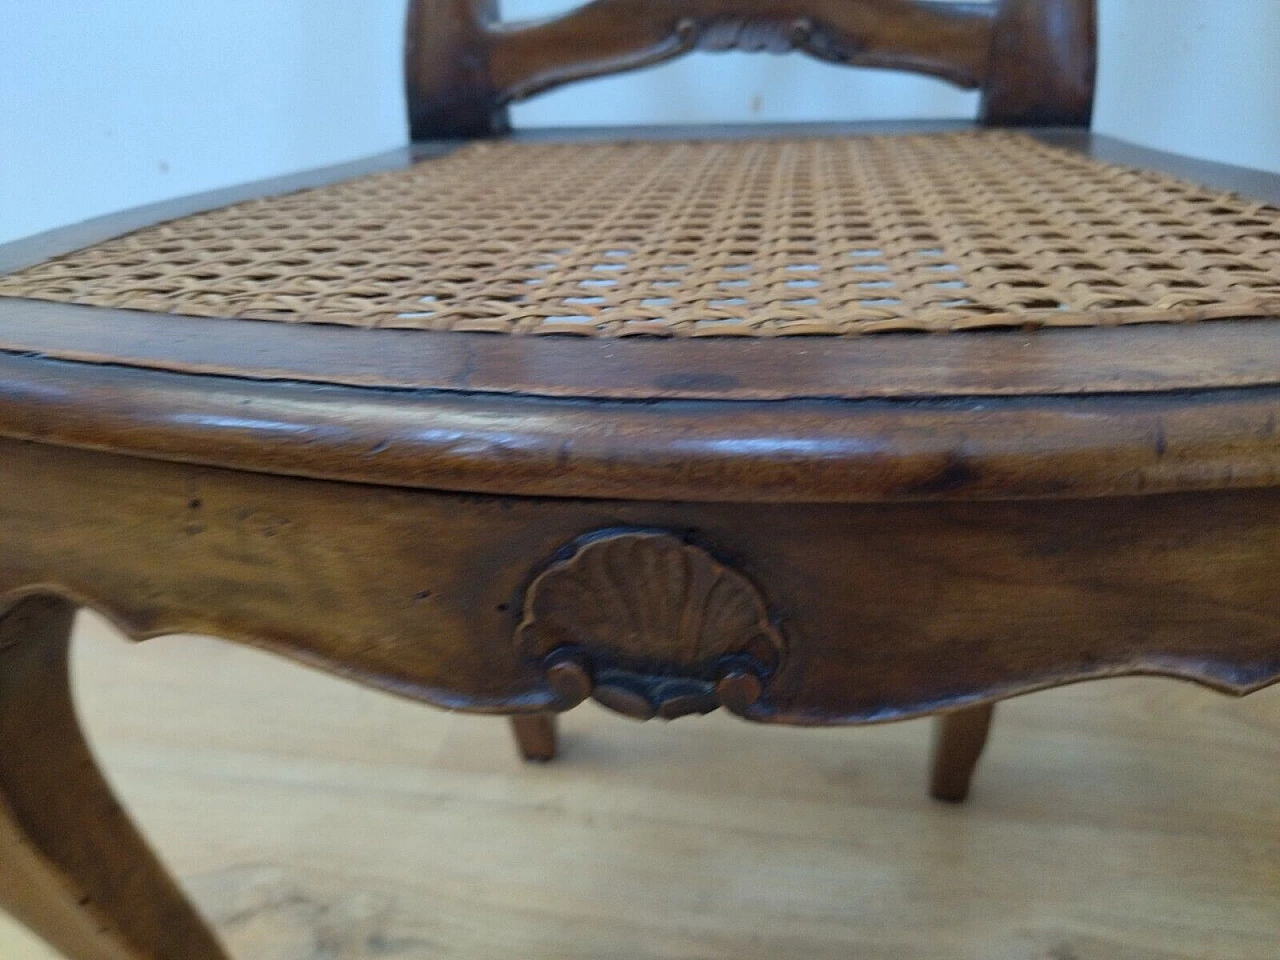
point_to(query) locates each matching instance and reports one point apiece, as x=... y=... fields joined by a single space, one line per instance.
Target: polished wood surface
x=1042 y=64
x=1034 y=59
x=311 y=820
x=883 y=611
x=447 y=85
x=988 y=449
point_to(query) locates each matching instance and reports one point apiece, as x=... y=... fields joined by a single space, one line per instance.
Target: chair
x=819 y=425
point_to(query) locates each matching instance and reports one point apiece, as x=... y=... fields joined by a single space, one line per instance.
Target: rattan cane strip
x=835 y=236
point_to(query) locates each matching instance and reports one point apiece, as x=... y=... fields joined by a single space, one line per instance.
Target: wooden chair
x=819 y=425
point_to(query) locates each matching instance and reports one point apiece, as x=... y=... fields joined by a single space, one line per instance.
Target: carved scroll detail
x=947 y=40
x=649 y=626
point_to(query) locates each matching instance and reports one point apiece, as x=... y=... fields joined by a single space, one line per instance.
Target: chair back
x=1033 y=60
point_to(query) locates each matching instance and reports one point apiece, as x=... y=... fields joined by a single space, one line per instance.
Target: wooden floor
x=312 y=820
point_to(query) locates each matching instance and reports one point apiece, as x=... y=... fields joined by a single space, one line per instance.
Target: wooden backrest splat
x=1033 y=59
x=1042 y=65
x=447 y=81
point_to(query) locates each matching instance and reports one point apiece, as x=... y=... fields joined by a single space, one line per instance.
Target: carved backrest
x=1032 y=59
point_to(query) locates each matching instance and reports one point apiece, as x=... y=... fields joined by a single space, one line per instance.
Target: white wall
x=1200 y=77
x=106 y=104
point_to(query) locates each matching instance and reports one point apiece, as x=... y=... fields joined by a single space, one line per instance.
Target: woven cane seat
x=837 y=236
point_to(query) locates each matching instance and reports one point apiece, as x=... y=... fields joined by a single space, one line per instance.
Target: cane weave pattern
x=835 y=236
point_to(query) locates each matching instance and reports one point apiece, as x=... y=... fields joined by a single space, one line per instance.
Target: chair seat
x=623 y=319
x=838 y=236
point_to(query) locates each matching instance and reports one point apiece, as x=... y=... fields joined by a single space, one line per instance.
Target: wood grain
x=792 y=452
x=887 y=611
x=311 y=820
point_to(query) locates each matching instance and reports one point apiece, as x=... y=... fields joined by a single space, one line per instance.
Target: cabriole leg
x=72 y=866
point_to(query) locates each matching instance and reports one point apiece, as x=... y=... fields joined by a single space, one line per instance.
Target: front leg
x=72 y=865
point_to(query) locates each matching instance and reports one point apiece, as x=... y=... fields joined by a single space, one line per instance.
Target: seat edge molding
x=781 y=451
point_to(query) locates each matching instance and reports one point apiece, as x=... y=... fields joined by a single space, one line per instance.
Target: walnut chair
x=821 y=425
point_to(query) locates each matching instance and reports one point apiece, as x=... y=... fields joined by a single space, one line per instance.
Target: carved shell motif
x=652 y=623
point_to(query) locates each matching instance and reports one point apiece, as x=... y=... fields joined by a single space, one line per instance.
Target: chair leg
x=536 y=736
x=958 y=741
x=72 y=866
